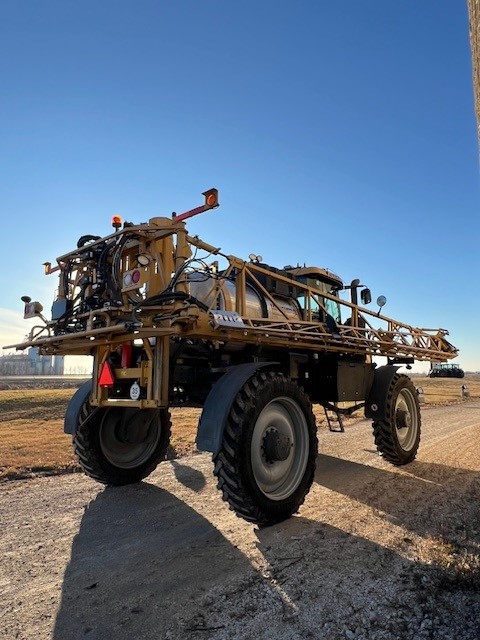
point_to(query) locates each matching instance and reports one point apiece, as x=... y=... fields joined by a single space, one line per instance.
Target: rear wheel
x=266 y=464
x=397 y=436
x=121 y=446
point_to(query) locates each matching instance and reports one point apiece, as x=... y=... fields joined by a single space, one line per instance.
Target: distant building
x=31 y=364
x=58 y=365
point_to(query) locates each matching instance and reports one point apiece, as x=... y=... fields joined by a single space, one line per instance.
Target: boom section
x=155 y=281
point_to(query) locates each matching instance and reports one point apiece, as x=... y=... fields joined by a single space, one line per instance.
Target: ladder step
x=335 y=421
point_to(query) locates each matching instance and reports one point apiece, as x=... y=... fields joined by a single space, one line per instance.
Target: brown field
x=32 y=438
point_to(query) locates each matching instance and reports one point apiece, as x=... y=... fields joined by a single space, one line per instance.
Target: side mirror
x=381 y=301
x=366 y=296
x=32 y=309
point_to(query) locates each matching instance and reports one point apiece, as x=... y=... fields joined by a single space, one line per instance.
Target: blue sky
x=342 y=135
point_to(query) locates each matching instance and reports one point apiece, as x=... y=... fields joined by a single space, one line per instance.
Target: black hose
x=164 y=298
x=84 y=239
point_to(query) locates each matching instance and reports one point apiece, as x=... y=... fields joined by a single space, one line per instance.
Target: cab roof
x=317 y=273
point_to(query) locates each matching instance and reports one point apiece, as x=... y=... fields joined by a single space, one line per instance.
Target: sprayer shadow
x=132 y=559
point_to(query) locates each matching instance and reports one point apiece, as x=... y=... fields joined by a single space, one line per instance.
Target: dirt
x=375 y=553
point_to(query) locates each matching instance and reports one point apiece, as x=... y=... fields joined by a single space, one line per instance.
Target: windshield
x=332 y=307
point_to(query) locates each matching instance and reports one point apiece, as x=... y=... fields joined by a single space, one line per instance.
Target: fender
x=72 y=414
x=219 y=401
x=376 y=404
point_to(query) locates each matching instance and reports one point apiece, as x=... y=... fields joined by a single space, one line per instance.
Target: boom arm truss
x=161 y=305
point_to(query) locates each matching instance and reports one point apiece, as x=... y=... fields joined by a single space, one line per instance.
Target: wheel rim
x=406 y=419
x=129 y=443
x=279 y=475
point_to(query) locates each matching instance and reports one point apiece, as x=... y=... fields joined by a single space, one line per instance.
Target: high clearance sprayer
x=170 y=319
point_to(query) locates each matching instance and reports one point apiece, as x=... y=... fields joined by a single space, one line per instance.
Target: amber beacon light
x=116 y=222
x=211 y=198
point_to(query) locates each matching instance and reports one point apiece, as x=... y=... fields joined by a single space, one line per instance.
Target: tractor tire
x=397 y=436
x=266 y=464
x=121 y=446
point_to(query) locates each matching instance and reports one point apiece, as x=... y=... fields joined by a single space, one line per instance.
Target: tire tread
x=383 y=430
x=230 y=461
x=87 y=449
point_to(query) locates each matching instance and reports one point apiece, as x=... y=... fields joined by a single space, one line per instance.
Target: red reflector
x=106 y=378
x=135 y=277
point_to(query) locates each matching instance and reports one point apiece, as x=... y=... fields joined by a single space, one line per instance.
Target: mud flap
x=219 y=401
x=376 y=404
x=72 y=415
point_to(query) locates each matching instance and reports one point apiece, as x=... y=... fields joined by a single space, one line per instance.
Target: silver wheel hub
x=280 y=448
x=406 y=419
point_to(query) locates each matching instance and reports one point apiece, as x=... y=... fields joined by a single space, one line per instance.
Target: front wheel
x=266 y=463
x=121 y=446
x=397 y=436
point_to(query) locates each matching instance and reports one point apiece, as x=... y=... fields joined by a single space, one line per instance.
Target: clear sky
x=340 y=134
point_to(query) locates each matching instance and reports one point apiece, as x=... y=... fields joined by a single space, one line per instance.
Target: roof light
x=117 y=222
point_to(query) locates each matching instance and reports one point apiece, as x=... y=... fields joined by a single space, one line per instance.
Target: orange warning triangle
x=106 y=378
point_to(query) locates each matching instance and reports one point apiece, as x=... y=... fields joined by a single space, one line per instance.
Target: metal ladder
x=334 y=421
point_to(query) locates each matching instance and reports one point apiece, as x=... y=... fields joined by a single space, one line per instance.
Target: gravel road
x=376 y=552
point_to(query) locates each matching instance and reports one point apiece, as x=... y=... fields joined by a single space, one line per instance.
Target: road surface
x=376 y=552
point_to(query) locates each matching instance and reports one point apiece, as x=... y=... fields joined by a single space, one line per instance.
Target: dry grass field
x=31 y=428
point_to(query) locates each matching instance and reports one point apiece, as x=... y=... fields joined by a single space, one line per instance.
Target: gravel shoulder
x=376 y=552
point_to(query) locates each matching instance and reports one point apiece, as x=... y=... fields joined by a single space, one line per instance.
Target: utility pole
x=474 y=22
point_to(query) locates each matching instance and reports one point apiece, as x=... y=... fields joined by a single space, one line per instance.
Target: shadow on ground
x=137 y=557
x=145 y=565
x=426 y=498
